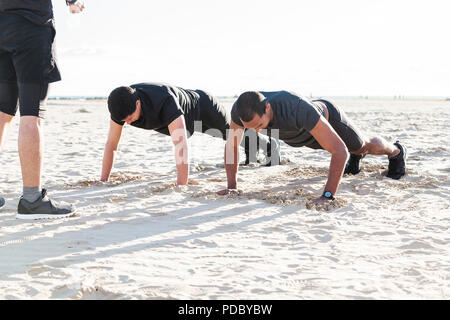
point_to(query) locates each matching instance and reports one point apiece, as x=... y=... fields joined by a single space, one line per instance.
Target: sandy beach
x=140 y=237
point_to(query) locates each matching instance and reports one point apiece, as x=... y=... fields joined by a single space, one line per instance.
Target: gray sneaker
x=42 y=208
x=2 y=203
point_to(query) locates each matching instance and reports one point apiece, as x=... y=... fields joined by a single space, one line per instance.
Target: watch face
x=328 y=194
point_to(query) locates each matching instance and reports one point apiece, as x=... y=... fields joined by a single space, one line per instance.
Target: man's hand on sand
x=77 y=7
x=229 y=191
x=321 y=200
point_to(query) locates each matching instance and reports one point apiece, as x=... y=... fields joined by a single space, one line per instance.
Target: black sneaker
x=2 y=203
x=352 y=166
x=397 y=165
x=42 y=208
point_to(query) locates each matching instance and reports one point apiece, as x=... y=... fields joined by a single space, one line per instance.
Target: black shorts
x=27 y=63
x=213 y=115
x=27 y=51
x=346 y=130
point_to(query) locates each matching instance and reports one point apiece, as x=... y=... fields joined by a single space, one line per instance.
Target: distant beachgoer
x=317 y=124
x=27 y=66
x=172 y=111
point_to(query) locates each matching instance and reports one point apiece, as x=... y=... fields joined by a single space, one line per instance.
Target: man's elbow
x=342 y=152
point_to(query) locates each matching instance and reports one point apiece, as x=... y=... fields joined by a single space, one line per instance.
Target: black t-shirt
x=293 y=115
x=39 y=12
x=162 y=104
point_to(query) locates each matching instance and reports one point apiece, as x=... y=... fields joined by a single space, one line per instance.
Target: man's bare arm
x=115 y=132
x=231 y=156
x=330 y=141
x=177 y=129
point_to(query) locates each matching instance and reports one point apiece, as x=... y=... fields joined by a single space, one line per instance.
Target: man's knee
x=5 y=118
x=29 y=122
x=364 y=149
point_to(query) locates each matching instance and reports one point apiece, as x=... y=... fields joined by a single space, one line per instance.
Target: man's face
x=135 y=115
x=259 y=122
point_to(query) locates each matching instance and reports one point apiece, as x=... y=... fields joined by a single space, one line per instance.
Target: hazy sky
x=319 y=47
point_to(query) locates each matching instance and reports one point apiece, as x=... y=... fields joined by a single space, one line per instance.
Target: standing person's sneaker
x=352 y=166
x=42 y=208
x=397 y=164
x=2 y=203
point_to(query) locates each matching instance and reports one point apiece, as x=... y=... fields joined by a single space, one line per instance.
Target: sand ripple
x=114 y=180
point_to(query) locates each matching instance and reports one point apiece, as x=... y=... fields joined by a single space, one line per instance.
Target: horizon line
x=395 y=97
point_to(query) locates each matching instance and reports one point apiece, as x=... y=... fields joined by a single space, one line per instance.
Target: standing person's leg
x=5 y=123
x=251 y=143
x=215 y=118
x=8 y=94
x=35 y=67
x=273 y=154
x=32 y=97
x=269 y=145
x=34 y=203
x=8 y=108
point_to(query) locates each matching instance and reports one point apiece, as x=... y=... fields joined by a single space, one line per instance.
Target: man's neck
x=271 y=116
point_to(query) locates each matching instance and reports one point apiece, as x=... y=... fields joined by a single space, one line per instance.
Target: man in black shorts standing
x=172 y=111
x=27 y=66
x=316 y=124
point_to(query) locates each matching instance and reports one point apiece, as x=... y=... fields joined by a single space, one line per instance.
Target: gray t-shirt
x=293 y=115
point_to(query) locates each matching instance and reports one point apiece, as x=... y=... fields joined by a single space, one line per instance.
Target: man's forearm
x=231 y=166
x=182 y=174
x=108 y=161
x=231 y=176
x=337 y=166
x=182 y=162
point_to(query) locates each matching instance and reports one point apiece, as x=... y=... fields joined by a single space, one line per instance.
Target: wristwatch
x=328 y=195
x=70 y=2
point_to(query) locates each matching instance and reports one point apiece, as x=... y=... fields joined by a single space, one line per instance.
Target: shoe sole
x=44 y=216
x=354 y=173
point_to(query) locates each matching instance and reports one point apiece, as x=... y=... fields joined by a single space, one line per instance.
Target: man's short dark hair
x=248 y=104
x=122 y=102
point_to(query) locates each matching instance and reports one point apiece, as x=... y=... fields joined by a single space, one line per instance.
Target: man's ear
x=268 y=107
x=138 y=103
